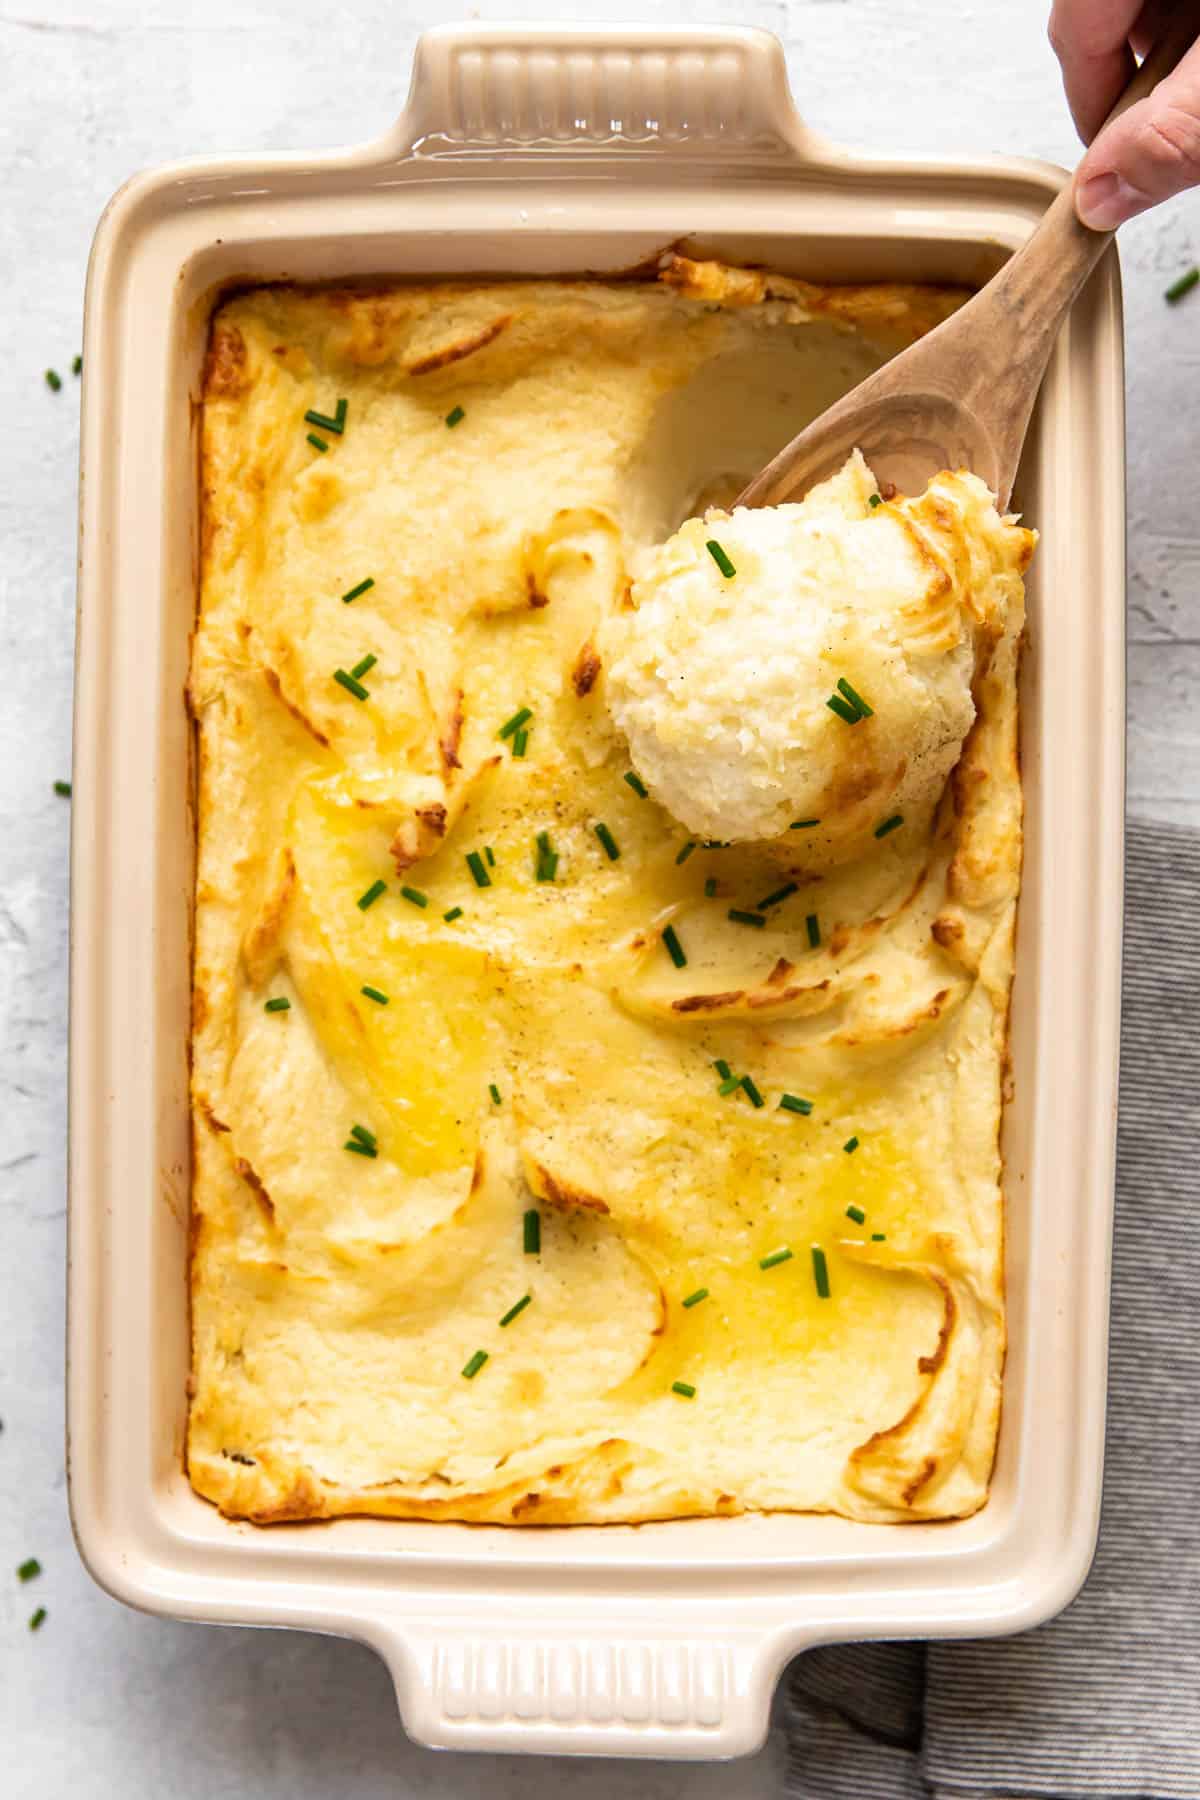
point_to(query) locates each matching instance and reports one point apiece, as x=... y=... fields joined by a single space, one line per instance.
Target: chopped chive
x=351 y=684
x=489 y=856
x=695 y=1299
x=362 y=588
x=794 y=1104
x=77 y=365
x=374 y=994
x=494 y=1091
x=372 y=894
x=63 y=789
x=719 y=557
x=843 y=709
x=782 y=1255
x=38 y=1619
x=364 y=1136
x=850 y=1146
x=473 y=1365
x=415 y=896
x=729 y=1085
x=28 y=1569
x=476 y=865
x=820 y=1272
x=609 y=842
x=814 y=930
x=281 y=1003
x=752 y=1093
x=874 y=500
x=683 y=1388
x=1183 y=286
x=779 y=896
x=710 y=887
x=520 y=742
x=515 y=723
x=455 y=416
x=53 y=380
x=803 y=824
x=514 y=1312
x=857 y=1214
x=856 y=700
x=359 y=1148
x=722 y=1068
x=673 y=946
x=685 y=853
x=889 y=825
x=454 y=913
x=545 y=862
x=745 y=918
x=317 y=443
x=532 y=1236
x=637 y=784
x=361 y=668
x=879 y=1237
x=336 y=424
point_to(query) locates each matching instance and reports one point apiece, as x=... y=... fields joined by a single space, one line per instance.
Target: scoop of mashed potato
x=722 y=683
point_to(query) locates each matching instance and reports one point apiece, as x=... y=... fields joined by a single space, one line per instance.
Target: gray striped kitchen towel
x=1104 y=1702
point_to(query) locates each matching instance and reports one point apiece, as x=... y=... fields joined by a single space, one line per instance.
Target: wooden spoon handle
x=962 y=395
x=1041 y=280
x=1029 y=298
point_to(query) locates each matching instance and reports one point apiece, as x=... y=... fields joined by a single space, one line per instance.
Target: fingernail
x=1105 y=201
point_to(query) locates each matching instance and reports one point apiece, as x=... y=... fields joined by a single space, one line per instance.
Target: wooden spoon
x=961 y=397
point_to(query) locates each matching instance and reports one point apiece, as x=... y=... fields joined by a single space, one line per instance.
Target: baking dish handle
x=602 y=1691
x=698 y=88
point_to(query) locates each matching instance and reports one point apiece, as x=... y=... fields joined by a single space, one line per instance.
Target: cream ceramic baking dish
x=532 y=151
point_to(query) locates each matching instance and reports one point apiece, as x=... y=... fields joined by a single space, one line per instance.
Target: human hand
x=1153 y=150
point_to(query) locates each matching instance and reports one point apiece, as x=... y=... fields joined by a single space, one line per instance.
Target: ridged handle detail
x=507 y=87
x=632 y=1684
x=599 y=1691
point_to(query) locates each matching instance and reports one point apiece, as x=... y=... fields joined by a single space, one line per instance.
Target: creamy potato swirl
x=513 y=984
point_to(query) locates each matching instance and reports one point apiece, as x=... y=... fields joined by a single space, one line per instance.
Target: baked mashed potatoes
x=551 y=1164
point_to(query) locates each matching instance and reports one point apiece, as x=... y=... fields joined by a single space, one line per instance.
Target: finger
x=1151 y=23
x=1148 y=154
x=1091 y=41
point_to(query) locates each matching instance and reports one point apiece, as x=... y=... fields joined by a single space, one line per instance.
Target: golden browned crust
x=225 y=366
x=416 y=837
x=586 y=671
x=261 y=944
x=692 y=1003
x=890 y=307
x=458 y=352
x=450 y=736
x=254 y=1183
x=301 y=717
x=557 y=1190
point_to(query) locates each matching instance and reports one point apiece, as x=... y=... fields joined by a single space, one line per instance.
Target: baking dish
x=527 y=150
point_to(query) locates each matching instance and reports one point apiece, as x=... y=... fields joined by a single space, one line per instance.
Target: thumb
x=1149 y=153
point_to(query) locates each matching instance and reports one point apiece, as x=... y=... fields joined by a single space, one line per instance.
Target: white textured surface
x=101 y=1701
